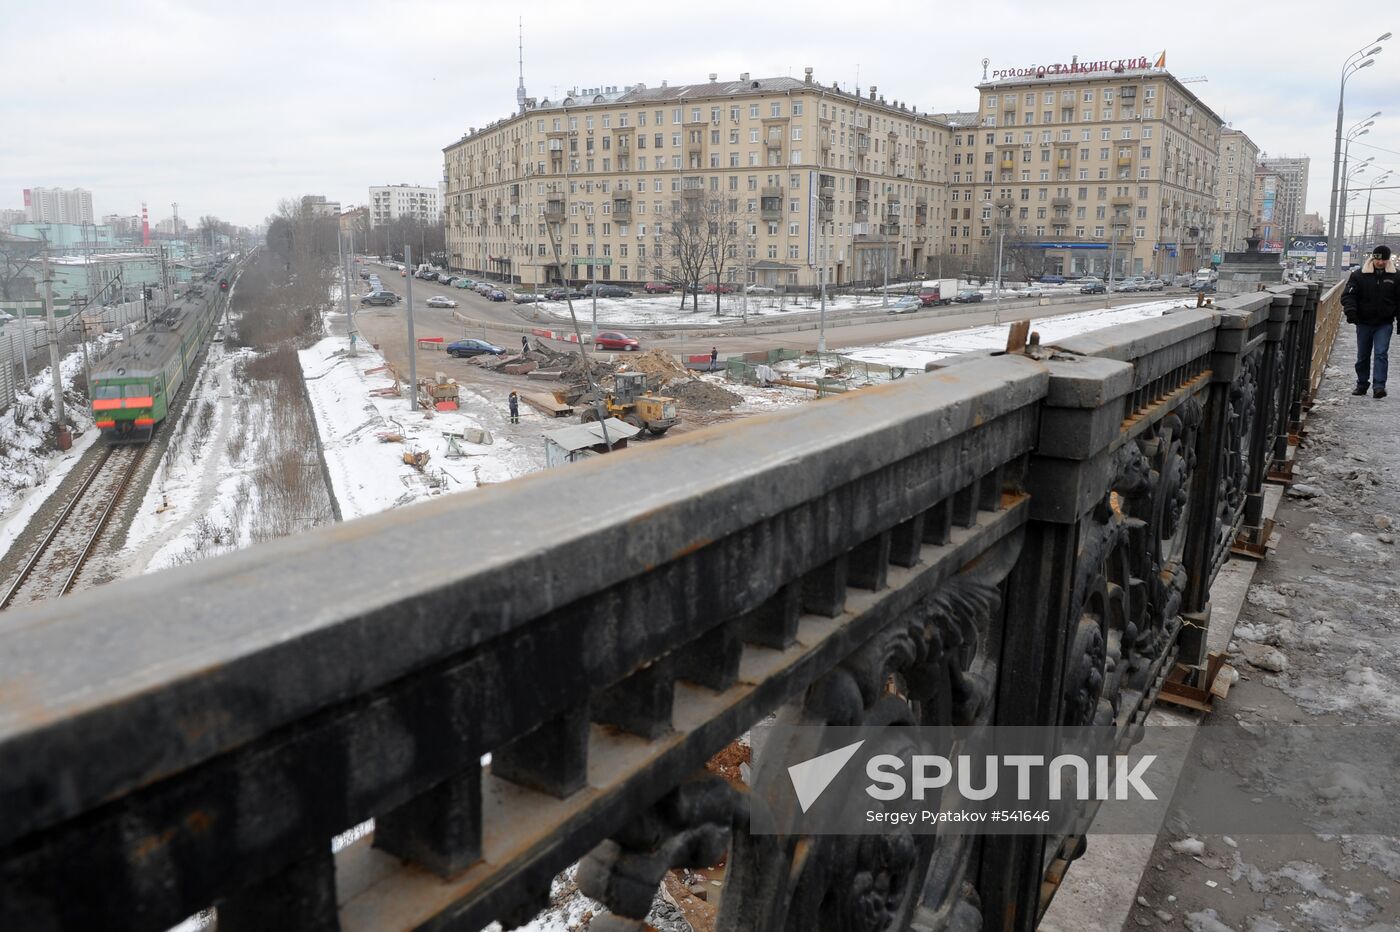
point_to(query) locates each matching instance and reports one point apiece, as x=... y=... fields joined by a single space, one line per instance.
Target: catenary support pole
x=54 y=357
x=412 y=343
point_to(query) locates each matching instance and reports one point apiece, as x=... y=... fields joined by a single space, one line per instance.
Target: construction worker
x=514 y=408
x=524 y=344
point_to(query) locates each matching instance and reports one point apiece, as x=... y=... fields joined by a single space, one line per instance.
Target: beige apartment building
x=1234 y=218
x=808 y=180
x=1074 y=166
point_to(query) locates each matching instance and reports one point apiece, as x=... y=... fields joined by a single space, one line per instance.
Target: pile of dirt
x=659 y=366
x=700 y=395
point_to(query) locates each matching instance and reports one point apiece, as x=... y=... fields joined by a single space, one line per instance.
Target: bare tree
x=723 y=227
x=687 y=244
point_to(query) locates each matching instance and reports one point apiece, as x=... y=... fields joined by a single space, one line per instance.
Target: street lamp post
x=1361 y=58
x=1369 y=191
x=1347 y=176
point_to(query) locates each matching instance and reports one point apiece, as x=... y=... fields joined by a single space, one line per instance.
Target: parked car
x=364 y=273
x=761 y=289
x=483 y=289
x=658 y=288
x=527 y=297
x=613 y=340
x=607 y=291
x=711 y=288
x=1154 y=284
x=1052 y=279
x=438 y=300
x=473 y=348
x=380 y=297
x=968 y=296
x=1091 y=286
x=445 y=279
x=497 y=295
x=463 y=283
x=562 y=294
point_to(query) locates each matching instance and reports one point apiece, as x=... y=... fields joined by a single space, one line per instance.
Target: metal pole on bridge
x=412 y=343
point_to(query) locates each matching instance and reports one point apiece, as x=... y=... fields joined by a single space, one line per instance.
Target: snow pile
x=914 y=352
x=30 y=468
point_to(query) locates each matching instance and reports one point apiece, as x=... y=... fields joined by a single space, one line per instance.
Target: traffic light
x=223 y=284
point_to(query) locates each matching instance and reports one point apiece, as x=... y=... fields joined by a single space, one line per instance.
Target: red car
x=612 y=340
x=658 y=288
x=722 y=289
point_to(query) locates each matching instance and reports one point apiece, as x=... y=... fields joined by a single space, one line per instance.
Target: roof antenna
x=520 y=88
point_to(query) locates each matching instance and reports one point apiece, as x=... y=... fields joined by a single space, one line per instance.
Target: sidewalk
x=1317 y=642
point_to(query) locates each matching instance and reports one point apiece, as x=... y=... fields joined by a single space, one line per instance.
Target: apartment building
x=1234 y=216
x=1290 y=192
x=1075 y=167
x=389 y=202
x=809 y=182
x=58 y=205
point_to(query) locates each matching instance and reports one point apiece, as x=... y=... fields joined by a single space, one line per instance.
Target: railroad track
x=53 y=568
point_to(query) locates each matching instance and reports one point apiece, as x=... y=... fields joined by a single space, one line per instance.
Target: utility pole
x=164 y=280
x=53 y=344
x=412 y=343
x=349 y=314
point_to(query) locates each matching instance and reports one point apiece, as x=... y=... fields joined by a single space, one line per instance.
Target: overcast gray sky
x=227 y=107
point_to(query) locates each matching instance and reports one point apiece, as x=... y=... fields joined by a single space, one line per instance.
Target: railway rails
x=53 y=568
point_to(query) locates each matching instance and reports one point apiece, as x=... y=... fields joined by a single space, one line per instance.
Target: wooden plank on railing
x=1329 y=320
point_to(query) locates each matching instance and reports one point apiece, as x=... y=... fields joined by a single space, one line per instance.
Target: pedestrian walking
x=1371 y=301
x=524 y=344
x=514 y=408
x=714 y=358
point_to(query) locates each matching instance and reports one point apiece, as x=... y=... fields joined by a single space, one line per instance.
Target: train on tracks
x=132 y=387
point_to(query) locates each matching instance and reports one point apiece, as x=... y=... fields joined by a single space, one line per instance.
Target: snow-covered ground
x=368 y=474
x=914 y=352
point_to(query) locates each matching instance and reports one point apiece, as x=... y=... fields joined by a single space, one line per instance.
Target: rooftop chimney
x=713 y=77
x=807 y=75
x=744 y=76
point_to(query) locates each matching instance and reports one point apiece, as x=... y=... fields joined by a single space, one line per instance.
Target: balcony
x=1120 y=199
x=554 y=211
x=1061 y=202
x=1062 y=163
x=770 y=208
x=1125 y=160
x=622 y=209
x=1007 y=165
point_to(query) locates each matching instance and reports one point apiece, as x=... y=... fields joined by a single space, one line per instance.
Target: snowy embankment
x=366 y=433
x=30 y=468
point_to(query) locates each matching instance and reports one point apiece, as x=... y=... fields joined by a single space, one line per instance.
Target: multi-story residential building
x=1234 y=215
x=1312 y=225
x=805 y=181
x=390 y=202
x=1072 y=167
x=58 y=205
x=1269 y=223
x=318 y=206
x=1291 y=196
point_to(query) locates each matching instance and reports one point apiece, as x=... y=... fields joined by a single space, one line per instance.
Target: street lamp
x=1347 y=175
x=1375 y=183
x=1361 y=58
x=816 y=204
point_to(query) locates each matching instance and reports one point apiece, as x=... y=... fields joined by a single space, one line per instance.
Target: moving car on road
x=1154 y=284
x=1052 y=279
x=464 y=348
x=527 y=297
x=968 y=296
x=906 y=305
x=438 y=300
x=387 y=298
x=1091 y=286
x=613 y=340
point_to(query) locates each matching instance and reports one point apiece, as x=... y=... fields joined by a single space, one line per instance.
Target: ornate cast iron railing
x=1017 y=540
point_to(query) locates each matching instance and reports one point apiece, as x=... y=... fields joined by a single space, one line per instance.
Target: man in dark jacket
x=1371 y=301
